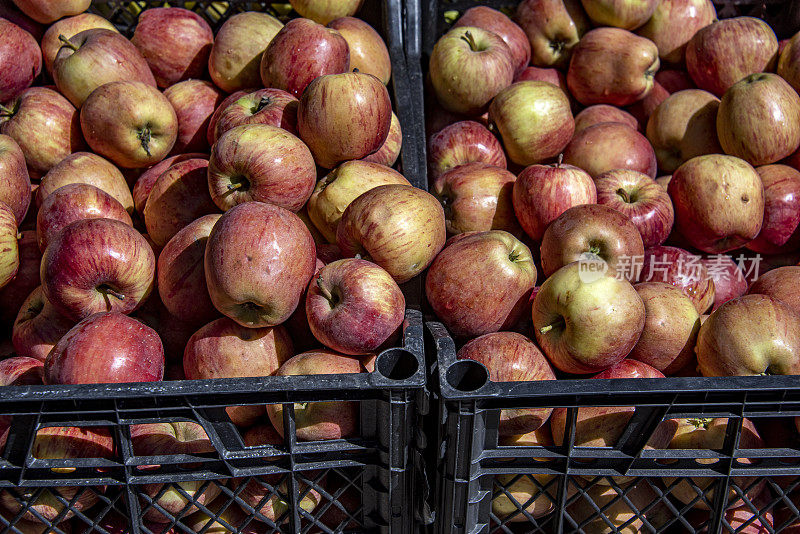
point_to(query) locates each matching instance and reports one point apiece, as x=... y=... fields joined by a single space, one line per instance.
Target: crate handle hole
x=397 y=364
x=467 y=375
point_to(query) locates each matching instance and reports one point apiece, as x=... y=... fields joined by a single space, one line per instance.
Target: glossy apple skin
x=14 y=293
x=640 y=198
x=789 y=62
x=598 y=113
x=15 y=189
x=511 y=357
x=20 y=371
x=86 y=168
x=265 y=106
x=779 y=284
x=461 y=143
x=106 y=347
x=368 y=52
x=619 y=13
x=674 y=80
x=389 y=151
x=594 y=229
x=729 y=280
x=211 y=133
x=586 y=326
x=553 y=28
x=674 y=23
x=38 y=327
x=69 y=27
x=9 y=245
x=459 y=60
x=477 y=197
x=530 y=133
x=480 y=283
x=324 y=11
x=262 y=163
x=21 y=59
x=194 y=102
x=46 y=12
x=554 y=76
x=759 y=119
x=259 y=259
x=498 y=23
x=42 y=111
x=612 y=66
x=88 y=257
x=400 y=228
x=611 y=145
x=343 y=117
x=680 y=268
x=717 y=219
x=144 y=184
x=779 y=231
x=722 y=53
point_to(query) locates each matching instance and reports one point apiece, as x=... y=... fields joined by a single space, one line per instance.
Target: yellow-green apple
x=9 y=246
x=320 y=420
x=235 y=59
x=534 y=120
x=586 y=320
x=612 y=66
x=779 y=284
x=20 y=371
x=729 y=280
x=512 y=357
x=627 y=15
x=259 y=162
x=670 y=327
x=38 y=327
x=96 y=265
x=682 y=269
x=598 y=113
x=14 y=293
x=130 y=123
x=107 y=347
x=719 y=202
x=324 y=11
x=722 y=53
x=325 y=117
x=340 y=187
x=759 y=119
x=46 y=12
x=553 y=28
x=477 y=197
x=144 y=184
x=789 y=62
x=93 y=58
x=400 y=228
x=181 y=272
x=74 y=202
x=43 y=111
x=611 y=145
x=175 y=42
x=622 y=510
x=21 y=59
x=639 y=197
x=684 y=126
x=69 y=27
x=265 y=106
x=460 y=143
x=10 y=12
x=368 y=52
x=389 y=151
x=194 y=102
x=642 y=109
x=480 y=283
x=779 y=230
x=674 y=80
x=354 y=306
x=527 y=490
x=594 y=233
x=15 y=188
x=674 y=23
x=498 y=23
x=259 y=259
x=179 y=196
x=543 y=192
x=463 y=56
x=86 y=168
x=302 y=51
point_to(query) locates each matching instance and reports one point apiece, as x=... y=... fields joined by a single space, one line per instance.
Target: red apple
x=389 y=151
x=86 y=168
x=324 y=11
x=265 y=106
x=38 y=327
x=781 y=210
x=779 y=284
x=498 y=23
x=553 y=28
x=69 y=27
x=642 y=109
x=789 y=61
x=173 y=331
x=194 y=102
x=21 y=59
x=554 y=76
x=729 y=280
x=144 y=184
x=461 y=143
x=14 y=293
x=675 y=266
x=611 y=145
x=9 y=245
x=46 y=12
x=15 y=188
x=623 y=14
x=674 y=80
x=10 y=12
x=20 y=371
x=368 y=52
x=603 y=113
x=674 y=23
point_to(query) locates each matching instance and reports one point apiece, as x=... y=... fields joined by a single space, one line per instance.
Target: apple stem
x=237 y=185
x=264 y=102
x=67 y=42
x=325 y=293
x=560 y=160
x=470 y=41
x=625 y=198
x=19 y=236
x=5 y=111
x=545 y=329
x=144 y=138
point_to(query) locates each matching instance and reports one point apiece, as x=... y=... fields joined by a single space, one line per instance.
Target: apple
x=46 y=11
x=269 y=496
x=468 y=67
x=368 y=51
x=603 y=113
x=69 y=27
x=21 y=59
x=553 y=28
x=10 y=12
x=674 y=80
x=779 y=284
x=551 y=75
x=529 y=490
x=627 y=15
x=325 y=11
x=623 y=509
x=480 y=283
x=45 y=126
x=334 y=192
x=14 y=293
x=38 y=327
x=532 y=133
x=675 y=266
x=96 y=265
x=640 y=198
x=789 y=62
x=315 y=421
x=86 y=168
x=586 y=321
x=729 y=280
x=9 y=246
x=593 y=232
x=173 y=331
x=389 y=151
x=15 y=189
x=722 y=53
x=744 y=520
x=781 y=210
x=234 y=63
x=460 y=143
x=719 y=202
x=302 y=51
x=684 y=126
x=673 y=24
x=498 y=23
x=265 y=106
x=404 y=240
x=511 y=357
x=759 y=119
x=262 y=163
x=642 y=109
x=611 y=145
x=194 y=102
x=144 y=184
x=612 y=66
x=20 y=371
x=259 y=259
x=325 y=117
